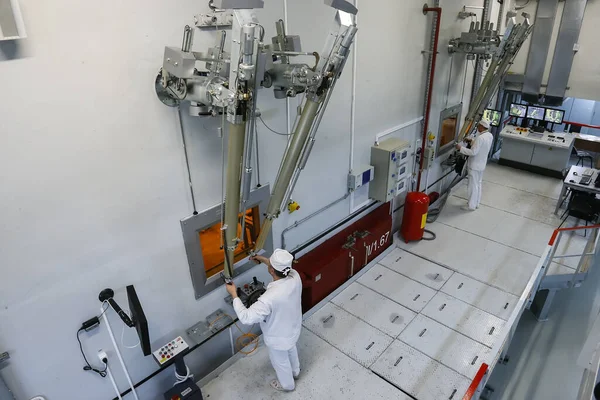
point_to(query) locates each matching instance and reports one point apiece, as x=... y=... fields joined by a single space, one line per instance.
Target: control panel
x=391 y=162
x=563 y=140
x=170 y=350
x=360 y=177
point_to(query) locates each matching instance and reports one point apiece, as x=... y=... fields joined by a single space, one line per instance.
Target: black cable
x=432 y=237
x=88 y=367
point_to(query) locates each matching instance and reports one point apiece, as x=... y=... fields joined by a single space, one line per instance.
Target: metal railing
x=536 y=283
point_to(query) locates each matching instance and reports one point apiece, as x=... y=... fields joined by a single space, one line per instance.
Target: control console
x=170 y=350
x=563 y=140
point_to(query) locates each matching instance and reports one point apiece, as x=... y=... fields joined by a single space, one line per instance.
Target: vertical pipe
x=289 y=164
x=235 y=150
x=114 y=342
x=353 y=109
x=430 y=81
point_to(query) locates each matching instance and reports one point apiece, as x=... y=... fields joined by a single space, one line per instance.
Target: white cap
x=281 y=260
x=484 y=123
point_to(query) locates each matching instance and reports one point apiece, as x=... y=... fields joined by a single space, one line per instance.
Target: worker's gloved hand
x=231 y=289
x=458 y=146
x=260 y=259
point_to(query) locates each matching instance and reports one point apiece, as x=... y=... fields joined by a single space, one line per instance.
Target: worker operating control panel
x=391 y=161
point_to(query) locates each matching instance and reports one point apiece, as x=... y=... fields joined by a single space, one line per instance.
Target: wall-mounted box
x=390 y=159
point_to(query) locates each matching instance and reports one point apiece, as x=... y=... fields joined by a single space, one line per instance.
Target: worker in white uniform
x=478 y=156
x=279 y=312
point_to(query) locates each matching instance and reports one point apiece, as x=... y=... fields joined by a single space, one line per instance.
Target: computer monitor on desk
x=536 y=113
x=518 y=110
x=554 y=116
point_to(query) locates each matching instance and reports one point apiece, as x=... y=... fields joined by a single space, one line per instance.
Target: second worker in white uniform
x=279 y=312
x=478 y=156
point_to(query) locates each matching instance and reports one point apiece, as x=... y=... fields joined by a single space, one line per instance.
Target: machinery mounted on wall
x=228 y=86
x=483 y=41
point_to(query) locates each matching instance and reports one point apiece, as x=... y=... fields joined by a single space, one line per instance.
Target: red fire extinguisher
x=415 y=216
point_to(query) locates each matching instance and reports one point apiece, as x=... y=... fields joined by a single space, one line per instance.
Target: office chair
x=581 y=156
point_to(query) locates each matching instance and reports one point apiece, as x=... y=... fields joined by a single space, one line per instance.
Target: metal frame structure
x=192 y=225
x=447 y=113
x=229 y=86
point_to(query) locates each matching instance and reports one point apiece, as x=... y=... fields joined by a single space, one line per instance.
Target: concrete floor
x=402 y=323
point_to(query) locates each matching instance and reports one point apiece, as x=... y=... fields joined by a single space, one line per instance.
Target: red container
x=415 y=216
x=328 y=266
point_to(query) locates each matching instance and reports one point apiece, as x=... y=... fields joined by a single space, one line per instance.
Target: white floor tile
x=419 y=375
x=375 y=309
x=326 y=374
x=404 y=291
x=472 y=322
x=349 y=334
x=480 y=295
x=417 y=268
x=454 y=350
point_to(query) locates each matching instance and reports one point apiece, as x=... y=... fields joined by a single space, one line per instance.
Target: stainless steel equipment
x=228 y=85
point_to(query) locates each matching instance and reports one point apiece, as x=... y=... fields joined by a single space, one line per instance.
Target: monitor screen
x=554 y=116
x=492 y=116
x=518 y=110
x=139 y=318
x=534 y=112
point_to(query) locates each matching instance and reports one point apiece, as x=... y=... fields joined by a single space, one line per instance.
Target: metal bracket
x=214 y=20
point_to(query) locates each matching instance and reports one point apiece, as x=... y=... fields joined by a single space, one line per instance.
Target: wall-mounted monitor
x=518 y=110
x=554 y=116
x=492 y=116
x=535 y=112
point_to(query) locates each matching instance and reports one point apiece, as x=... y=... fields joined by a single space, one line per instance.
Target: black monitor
x=518 y=110
x=492 y=116
x=535 y=112
x=554 y=116
x=139 y=319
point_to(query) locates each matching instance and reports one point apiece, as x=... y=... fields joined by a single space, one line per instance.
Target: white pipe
x=288 y=117
x=397 y=128
x=353 y=110
x=112 y=380
x=231 y=341
x=112 y=338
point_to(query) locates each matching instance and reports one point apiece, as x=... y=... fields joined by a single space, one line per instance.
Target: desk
x=575 y=174
x=545 y=153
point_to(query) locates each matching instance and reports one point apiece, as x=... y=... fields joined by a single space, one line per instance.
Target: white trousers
x=286 y=365
x=475 y=183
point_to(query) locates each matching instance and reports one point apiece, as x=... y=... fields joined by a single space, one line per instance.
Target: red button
x=168 y=356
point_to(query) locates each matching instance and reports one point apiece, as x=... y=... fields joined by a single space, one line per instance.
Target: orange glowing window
x=211 y=240
x=448 y=131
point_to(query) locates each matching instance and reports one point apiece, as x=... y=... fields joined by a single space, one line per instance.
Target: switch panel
x=360 y=176
x=391 y=161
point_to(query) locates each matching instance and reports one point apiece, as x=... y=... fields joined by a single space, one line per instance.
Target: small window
x=212 y=242
x=448 y=131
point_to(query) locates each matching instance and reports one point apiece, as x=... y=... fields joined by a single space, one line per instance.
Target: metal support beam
x=538 y=50
x=542 y=303
x=564 y=53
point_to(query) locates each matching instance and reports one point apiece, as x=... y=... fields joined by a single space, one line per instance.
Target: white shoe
x=467 y=208
x=277 y=386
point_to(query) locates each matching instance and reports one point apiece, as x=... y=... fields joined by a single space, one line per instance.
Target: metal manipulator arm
x=318 y=87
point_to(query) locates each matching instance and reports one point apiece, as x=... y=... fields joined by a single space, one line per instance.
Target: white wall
x=94 y=180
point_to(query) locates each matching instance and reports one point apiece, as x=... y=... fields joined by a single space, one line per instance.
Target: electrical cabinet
x=360 y=177
x=391 y=162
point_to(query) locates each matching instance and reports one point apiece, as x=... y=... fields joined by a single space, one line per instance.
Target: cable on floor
x=244 y=340
x=430 y=238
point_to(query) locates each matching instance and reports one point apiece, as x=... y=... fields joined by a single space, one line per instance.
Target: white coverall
x=478 y=155
x=279 y=312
